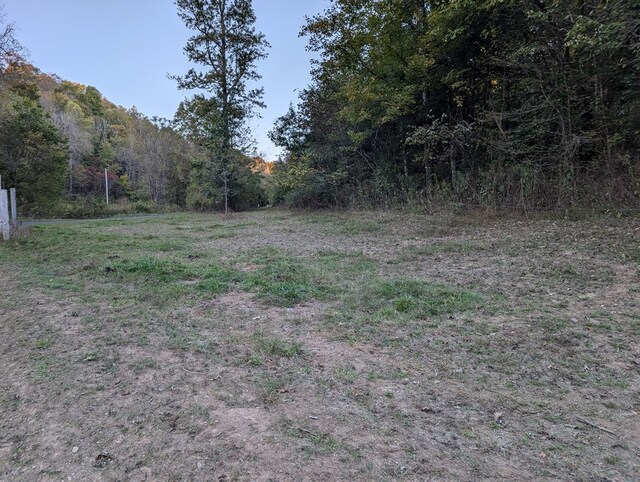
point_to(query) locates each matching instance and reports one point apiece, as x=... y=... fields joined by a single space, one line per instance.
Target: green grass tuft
x=421 y=299
x=218 y=280
x=278 y=347
x=284 y=280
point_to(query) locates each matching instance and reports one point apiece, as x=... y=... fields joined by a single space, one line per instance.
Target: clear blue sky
x=125 y=48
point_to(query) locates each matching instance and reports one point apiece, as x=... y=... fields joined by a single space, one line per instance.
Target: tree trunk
x=225 y=180
x=405 y=163
x=427 y=174
x=70 y=177
x=452 y=161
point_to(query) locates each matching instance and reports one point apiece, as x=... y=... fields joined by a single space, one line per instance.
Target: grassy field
x=349 y=346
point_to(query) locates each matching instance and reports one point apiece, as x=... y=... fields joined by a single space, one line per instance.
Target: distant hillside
x=262 y=166
x=57 y=137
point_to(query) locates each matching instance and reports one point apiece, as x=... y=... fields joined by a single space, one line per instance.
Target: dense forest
x=529 y=104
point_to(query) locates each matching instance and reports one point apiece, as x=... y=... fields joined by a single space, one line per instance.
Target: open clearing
x=349 y=346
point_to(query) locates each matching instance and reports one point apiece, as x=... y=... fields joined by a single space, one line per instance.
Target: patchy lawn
x=349 y=346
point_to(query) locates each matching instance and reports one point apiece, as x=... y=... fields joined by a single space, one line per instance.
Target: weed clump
x=283 y=280
x=421 y=299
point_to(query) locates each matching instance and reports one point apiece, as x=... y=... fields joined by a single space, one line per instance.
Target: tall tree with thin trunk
x=226 y=46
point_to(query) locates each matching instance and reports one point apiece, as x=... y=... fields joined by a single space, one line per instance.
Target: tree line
x=527 y=104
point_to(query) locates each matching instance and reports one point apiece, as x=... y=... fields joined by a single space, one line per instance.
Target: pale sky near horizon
x=125 y=48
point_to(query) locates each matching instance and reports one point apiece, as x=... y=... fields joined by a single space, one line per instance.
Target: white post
x=106 y=184
x=4 y=215
x=14 y=210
